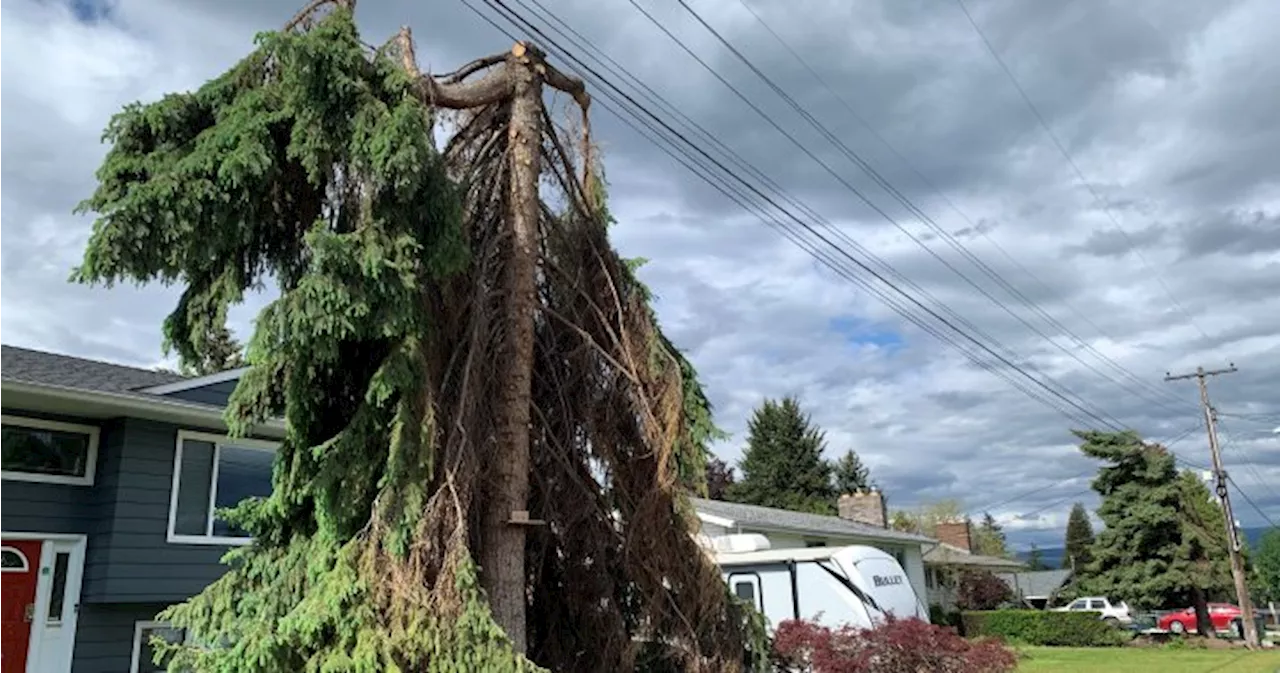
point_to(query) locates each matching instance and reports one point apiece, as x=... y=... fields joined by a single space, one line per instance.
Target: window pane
x=745 y=590
x=242 y=473
x=59 y=591
x=12 y=559
x=1096 y=605
x=194 y=478
x=146 y=653
x=44 y=451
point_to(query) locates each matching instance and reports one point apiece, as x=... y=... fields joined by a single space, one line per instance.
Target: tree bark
x=503 y=542
x=1204 y=624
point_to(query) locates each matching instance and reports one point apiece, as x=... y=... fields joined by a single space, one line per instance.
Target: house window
x=58 y=593
x=13 y=561
x=48 y=451
x=213 y=473
x=143 y=651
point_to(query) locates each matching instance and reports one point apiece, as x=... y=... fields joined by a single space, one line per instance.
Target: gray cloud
x=1169 y=115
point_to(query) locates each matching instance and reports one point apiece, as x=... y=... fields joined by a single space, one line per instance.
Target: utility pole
x=1224 y=496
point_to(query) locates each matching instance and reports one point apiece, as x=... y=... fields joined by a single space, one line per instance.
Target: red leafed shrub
x=981 y=590
x=896 y=646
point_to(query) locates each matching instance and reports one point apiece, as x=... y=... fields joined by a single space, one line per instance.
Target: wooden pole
x=1224 y=496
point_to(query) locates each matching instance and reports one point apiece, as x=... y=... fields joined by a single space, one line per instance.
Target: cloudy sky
x=1166 y=256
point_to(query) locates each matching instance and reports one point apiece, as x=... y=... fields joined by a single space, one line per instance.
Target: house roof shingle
x=32 y=366
x=769 y=517
x=1037 y=583
x=945 y=554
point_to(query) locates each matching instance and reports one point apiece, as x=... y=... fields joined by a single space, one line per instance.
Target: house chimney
x=864 y=507
x=954 y=533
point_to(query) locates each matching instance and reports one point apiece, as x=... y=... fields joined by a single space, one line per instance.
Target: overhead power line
x=856 y=159
x=1142 y=389
x=1142 y=386
x=747 y=194
x=1062 y=149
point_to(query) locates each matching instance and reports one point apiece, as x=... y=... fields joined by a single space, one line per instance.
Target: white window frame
x=90 y=463
x=138 y=629
x=218 y=442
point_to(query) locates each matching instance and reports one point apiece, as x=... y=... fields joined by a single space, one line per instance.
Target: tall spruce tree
x=312 y=163
x=850 y=474
x=989 y=538
x=1202 y=557
x=1143 y=553
x=1078 y=542
x=219 y=351
x=782 y=465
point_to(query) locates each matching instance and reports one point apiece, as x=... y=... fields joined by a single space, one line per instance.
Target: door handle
x=30 y=613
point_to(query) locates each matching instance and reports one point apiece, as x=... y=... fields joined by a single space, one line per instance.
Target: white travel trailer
x=835 y=586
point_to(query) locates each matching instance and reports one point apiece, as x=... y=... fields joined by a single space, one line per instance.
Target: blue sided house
x=111 y=478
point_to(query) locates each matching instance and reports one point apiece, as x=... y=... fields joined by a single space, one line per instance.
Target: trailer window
x=745 y=590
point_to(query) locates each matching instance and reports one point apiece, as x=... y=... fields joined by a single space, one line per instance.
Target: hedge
x=1041 y=627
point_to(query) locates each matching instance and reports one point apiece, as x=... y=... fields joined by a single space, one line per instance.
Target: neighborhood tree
x=850 y=474
x=488 y=433
x=782 y=465
x=1079 y=539
x=1154 y=551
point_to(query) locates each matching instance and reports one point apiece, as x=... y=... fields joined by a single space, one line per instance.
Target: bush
x=944 y=617
x=896 y=646
x=982 y=590
x=1039 y=627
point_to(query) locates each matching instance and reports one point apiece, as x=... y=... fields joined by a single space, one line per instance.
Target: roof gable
x=52 y=369
x=754 y=516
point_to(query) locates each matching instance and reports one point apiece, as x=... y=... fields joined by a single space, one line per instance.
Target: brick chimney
x=864 y=507
x=954 y=533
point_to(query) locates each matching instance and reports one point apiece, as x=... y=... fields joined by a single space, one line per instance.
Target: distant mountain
x=1053 y=555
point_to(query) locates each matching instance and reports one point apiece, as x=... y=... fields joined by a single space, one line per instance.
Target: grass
x=1135 y=660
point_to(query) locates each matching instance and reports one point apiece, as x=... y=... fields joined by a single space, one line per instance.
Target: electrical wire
x=1249 y=463
x=1153 y=393
x=852 y=156
x=692 y=160
x=911 y=207
x=1253 y=504
x=1102 y=203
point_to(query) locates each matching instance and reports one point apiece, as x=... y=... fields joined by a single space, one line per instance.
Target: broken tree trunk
x=503 y=538
x=517 y=77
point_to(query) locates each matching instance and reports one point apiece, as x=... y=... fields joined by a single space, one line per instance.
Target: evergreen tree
x=1079 y=539
x=1266 y=559
x=782 y=465
x=1147 y=553
x=312 y=163
x=719 y=478
x=850 y=474
x=1202 y=557
x=989 y=538
x=219 y=351
x=1035 y=559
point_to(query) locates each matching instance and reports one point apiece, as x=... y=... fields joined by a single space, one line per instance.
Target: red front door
x=21 y=560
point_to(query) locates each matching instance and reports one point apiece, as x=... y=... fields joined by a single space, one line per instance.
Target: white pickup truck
x=1112 y=612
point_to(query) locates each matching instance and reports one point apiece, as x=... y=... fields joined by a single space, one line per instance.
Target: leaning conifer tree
x=389 y=353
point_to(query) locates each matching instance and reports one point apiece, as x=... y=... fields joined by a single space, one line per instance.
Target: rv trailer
x=834 y=586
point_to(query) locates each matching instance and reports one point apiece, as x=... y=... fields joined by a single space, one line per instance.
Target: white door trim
x=39 y=661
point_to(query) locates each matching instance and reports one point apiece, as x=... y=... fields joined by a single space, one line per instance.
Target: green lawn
x=1134 y=660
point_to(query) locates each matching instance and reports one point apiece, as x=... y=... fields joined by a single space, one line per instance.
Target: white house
x=787 y=529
